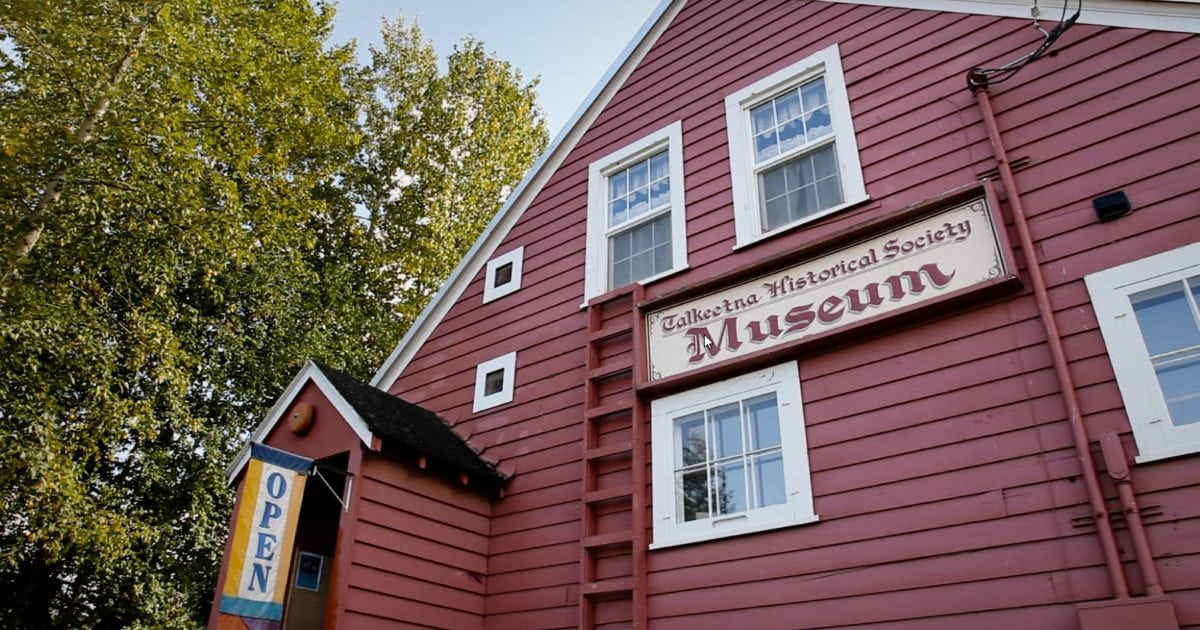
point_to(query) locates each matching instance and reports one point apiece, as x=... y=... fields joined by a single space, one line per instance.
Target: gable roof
x=373 y=413
x=1166 y=15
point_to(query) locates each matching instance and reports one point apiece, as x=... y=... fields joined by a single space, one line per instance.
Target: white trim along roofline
x=310 y=372
x=1157 y=15
x=526 y=191
x=1166 y=15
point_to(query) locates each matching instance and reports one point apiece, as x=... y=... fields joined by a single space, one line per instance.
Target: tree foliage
x=231 y=196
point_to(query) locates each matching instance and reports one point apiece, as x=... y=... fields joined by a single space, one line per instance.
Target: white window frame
x=746 y=206
x=784 y=381
x=1156 y=437
x=597 y=272
x=491 y=292
x=508 y=364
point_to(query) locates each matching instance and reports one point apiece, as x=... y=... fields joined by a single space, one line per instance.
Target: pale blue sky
x=569 y=43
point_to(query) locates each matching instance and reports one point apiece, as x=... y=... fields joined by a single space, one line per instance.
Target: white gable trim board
x=310 y=372
x=526 y=191
x=1166 y=15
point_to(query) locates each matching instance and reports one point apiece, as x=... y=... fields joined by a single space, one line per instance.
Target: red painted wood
x=942 y=466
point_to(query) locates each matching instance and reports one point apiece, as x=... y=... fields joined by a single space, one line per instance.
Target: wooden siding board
x=969 y=487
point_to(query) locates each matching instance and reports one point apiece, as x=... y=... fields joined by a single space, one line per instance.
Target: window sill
x=1178 y=451
x=740 y=531
x=758 y=238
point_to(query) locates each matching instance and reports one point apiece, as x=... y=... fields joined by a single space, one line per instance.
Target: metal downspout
x=1108 y=543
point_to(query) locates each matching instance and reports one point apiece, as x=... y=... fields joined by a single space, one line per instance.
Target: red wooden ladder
x=612 y=583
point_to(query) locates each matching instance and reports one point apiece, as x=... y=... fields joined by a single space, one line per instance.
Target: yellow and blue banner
x=261 y=554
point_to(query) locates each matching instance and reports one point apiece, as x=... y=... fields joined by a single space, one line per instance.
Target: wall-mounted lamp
x=1113 y=205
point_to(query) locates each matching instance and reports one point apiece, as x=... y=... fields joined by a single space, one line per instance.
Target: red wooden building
x=818 y=314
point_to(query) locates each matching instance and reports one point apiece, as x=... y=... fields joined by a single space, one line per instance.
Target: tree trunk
x=36 y=221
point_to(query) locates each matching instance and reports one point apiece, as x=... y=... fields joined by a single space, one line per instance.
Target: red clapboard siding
x=421 y=552
x=942 y=466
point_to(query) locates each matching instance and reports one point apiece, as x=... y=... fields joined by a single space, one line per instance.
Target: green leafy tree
x=190 y=205
x=443 y=152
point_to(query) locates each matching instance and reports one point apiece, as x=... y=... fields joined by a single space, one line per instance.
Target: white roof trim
x=1167 y=15
x=526 y=191
x=310 y=372
x=1159 y=15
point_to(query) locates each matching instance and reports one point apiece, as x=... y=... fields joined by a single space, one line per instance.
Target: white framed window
x=494 y=382
x=503 y=275
x=1149 y=314
x=792 y=152
x=730 y=458
x=636 y=222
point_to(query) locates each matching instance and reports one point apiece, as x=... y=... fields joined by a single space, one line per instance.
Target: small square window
x=792 y=151
x=1149 y=314
x=494 y=381
x=503 y=275
x=636 y=230
x=730 y=458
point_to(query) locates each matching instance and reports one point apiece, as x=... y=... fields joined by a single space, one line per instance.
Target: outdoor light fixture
x=1113 y=205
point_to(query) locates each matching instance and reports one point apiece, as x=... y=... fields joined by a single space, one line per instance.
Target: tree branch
x=37 y=219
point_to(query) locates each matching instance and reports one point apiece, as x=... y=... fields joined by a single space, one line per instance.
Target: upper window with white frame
x=1149 y=314
x=494 y=381
x=730 y=458
x=636 y=229
x=792 y=151
x=503 y=275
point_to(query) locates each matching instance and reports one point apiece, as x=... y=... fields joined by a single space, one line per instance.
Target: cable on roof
x=979 y=78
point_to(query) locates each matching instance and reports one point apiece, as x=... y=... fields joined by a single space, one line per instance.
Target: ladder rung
x=608 y=410
x=605 y=334
x=608 y=450
x=607 y=540
x=608 y=494
x=607 y=587
x=616 y=366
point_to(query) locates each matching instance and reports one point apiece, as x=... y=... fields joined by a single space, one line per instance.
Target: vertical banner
x=259 y=558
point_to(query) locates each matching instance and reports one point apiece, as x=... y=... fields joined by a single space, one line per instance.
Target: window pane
x=818 y=124
x=691 y=440
x=503 y=275
x=765 y=146
x=662 y=257
x=829 y=193
x=660 y=194
x=787 y=107
x=1180 y=383
x=776 y=213
x=731 y=488
x=639 y=175
x=774 y=183
x=639 y=202
x=726 y=423
x=762 y=117
x=769 y=483
x=813 y=94
x=617 y=212
x=493 y=383
x=1166 y=319
x=763 y=417
x=693 y=493
x=642 y=264
x=825 y=163
x=617 y=185
x=791 y=135
x=659 y=166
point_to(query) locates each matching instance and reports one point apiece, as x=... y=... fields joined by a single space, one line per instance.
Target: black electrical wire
x=980 y=77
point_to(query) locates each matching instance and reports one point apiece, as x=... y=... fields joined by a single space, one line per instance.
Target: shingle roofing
x=411 y=427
